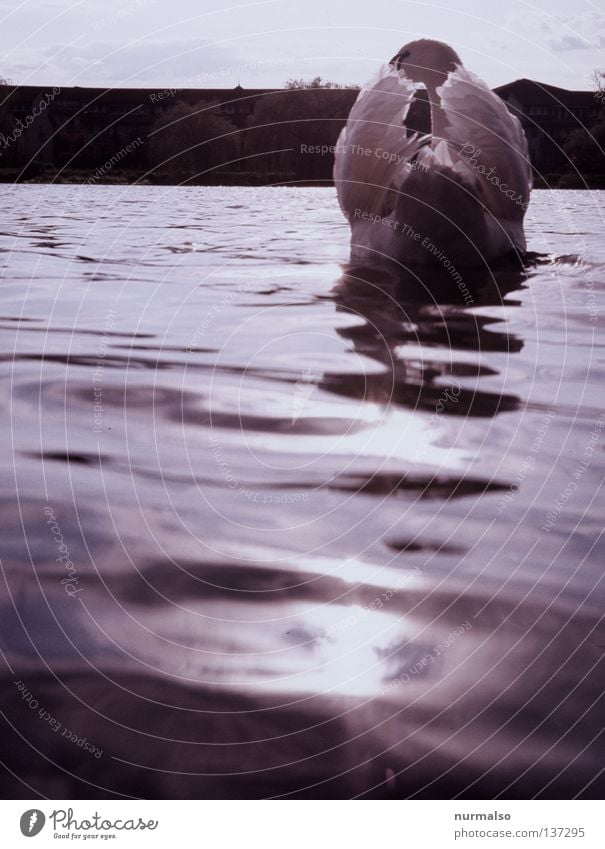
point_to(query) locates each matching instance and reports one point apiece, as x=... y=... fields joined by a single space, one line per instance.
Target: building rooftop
x=535 y=93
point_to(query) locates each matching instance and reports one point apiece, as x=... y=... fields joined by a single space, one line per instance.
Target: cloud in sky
x=574 y=42
x=560 y=33
x=580 y=33
x=265 y=42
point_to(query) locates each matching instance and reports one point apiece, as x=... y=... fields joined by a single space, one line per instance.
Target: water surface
x=274 y=525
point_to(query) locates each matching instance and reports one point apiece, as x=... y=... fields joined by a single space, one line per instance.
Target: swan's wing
x=490 y=141
x=373 y=147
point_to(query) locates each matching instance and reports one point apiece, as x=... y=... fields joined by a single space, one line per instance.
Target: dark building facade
x=549 y=115
x=265 y=134
x=83 y=128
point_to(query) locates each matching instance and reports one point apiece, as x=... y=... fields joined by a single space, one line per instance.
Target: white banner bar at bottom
x=293 y=824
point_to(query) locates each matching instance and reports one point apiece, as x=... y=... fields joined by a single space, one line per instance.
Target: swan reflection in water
x=410 y=318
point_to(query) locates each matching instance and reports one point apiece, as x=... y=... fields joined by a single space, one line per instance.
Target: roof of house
x=138 y=95
x=132 y=96
x=533 y=93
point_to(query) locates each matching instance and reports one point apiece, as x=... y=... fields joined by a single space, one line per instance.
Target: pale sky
x=261 y=43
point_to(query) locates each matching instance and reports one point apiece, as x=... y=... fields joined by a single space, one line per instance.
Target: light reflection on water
x=300 y=502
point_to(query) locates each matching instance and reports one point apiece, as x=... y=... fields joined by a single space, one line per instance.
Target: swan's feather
x=491 y=141
x=363 y=176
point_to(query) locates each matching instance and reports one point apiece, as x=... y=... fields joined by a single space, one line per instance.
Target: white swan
x=457 y=196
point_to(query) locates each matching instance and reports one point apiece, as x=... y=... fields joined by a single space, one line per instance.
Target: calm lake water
x=277 y=526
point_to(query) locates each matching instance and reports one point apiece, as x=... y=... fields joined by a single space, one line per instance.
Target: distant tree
x=304 y=123
x=598 y=79
x=585 y=148
x=7 y=154
x=188 y=140
x=316 y=82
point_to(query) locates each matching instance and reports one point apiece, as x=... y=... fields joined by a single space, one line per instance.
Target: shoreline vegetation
x=135 y=178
